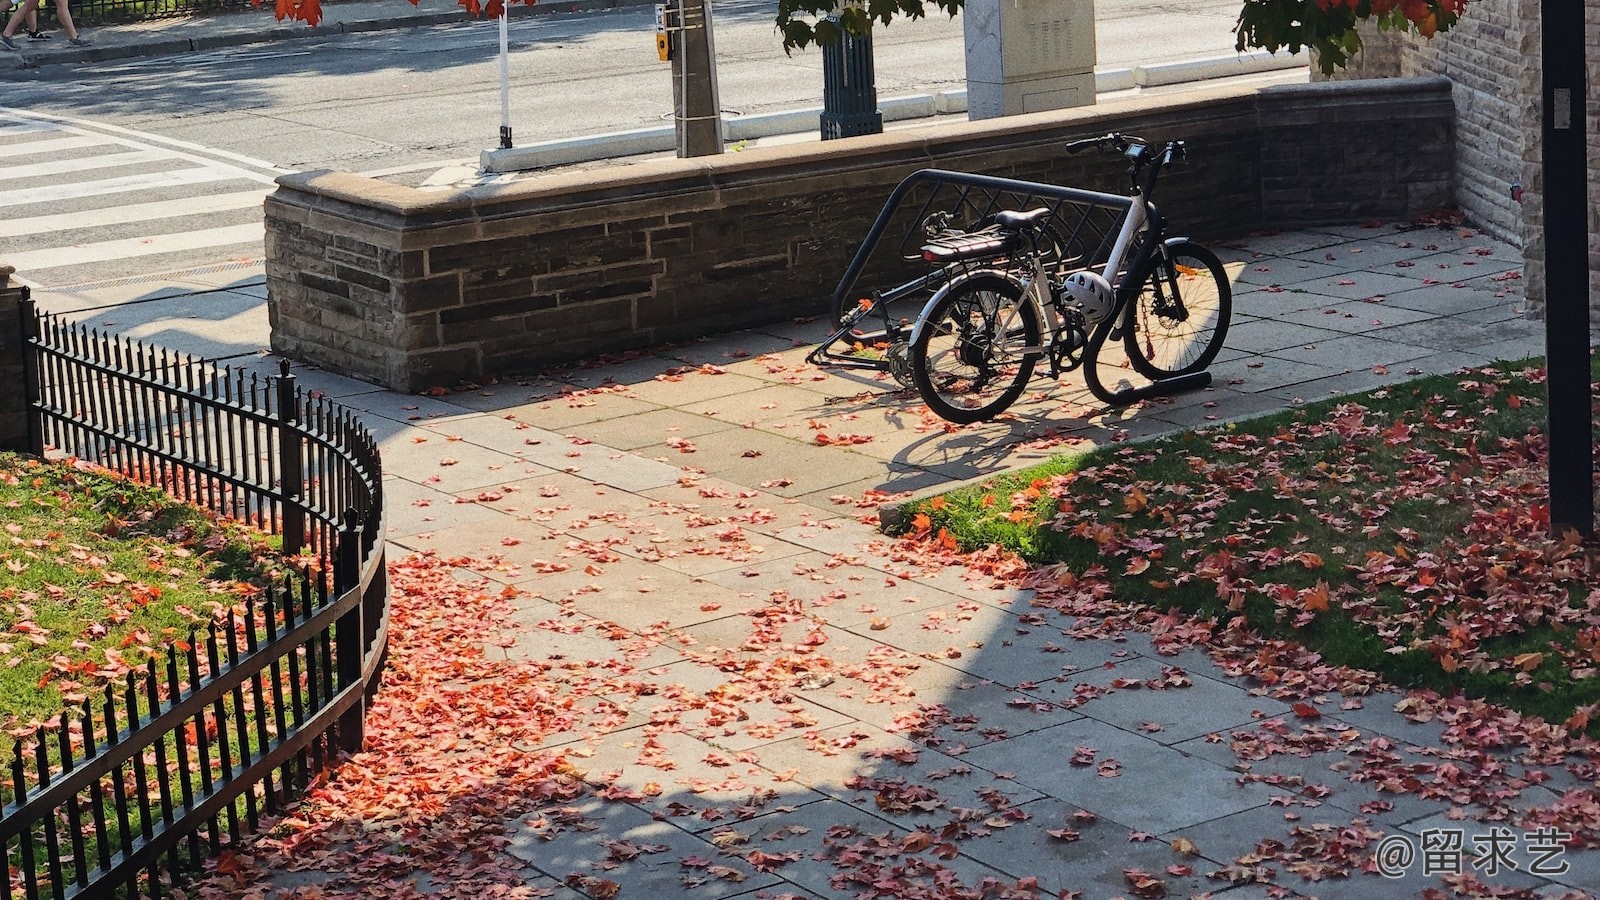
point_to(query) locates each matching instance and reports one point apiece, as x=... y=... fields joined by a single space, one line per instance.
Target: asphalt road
x=416 y=97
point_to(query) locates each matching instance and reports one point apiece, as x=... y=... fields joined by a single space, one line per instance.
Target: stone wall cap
x=1345 y=87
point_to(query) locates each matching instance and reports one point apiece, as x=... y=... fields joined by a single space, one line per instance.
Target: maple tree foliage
x=310 y=11
x=1327 y=26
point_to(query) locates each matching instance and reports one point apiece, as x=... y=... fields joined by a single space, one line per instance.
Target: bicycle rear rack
x=1083 y=223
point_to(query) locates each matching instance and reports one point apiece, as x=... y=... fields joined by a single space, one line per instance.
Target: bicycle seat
x=1018 y=221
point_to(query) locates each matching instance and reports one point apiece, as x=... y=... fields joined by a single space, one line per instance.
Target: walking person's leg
x=65 y=18
x=17 y=15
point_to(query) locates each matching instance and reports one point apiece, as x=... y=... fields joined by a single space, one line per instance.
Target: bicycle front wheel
x=1181 y=315
x=975 y=354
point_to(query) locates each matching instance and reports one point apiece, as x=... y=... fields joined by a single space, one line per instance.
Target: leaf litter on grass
x=101 y=574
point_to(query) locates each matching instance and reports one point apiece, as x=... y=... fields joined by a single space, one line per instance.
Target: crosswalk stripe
x=133 y=212
x=17 y=126
x=82 y=164
x=50 y=145
x=31 y=261
x=73 y=191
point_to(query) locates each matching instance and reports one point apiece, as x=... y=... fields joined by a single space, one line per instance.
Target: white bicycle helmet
x=1091 y=293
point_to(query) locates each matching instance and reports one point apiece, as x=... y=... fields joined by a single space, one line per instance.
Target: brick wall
x=412 y=289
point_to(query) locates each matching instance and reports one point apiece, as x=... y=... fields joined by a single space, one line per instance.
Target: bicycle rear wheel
x=1181 y=315
x=975 y=354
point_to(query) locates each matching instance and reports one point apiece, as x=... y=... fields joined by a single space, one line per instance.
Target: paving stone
x=819 y=831
x=891 y=778
x=832 y=587
x=991 y=644
x=612 y=467
x=1284 y=272
x=577 y=647
x=1269 y=303
x=634 y=594
x=561 y=850
x=1095 y=862
x=1283 y=243
x=564 y=413
x=687 y=388
x=784 y=465
x=1192 y=790
x=1448 y=301
x=661 y=432
x=1357 y=317
x=1271 y=336
x=1371 y=255
x=1207 y=705
x=750 y=508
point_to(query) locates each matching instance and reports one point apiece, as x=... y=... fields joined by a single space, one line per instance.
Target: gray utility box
x=1028 y=55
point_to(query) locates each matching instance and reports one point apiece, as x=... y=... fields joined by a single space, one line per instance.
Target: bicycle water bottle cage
x=993 y=241
x=1021 y=221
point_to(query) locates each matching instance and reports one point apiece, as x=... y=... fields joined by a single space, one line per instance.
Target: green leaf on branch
x=807 y=22
x=1329 y=26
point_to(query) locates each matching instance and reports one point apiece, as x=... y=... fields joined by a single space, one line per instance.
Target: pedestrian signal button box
x=664 y=41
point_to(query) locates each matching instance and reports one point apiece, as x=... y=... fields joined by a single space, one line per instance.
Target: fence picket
x=119 y=786
x=52 y=843
x=97 y=799
x=80 y=860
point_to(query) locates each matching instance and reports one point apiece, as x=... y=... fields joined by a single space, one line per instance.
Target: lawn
x=1404 y=531
x=99 y=575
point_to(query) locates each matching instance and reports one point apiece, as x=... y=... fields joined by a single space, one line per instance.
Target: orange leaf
x=1315 y=599
x=1306 y=711
x=936 y=503
x=921 y=522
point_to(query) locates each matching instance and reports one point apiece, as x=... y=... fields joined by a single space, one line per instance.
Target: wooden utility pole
x=698 y=115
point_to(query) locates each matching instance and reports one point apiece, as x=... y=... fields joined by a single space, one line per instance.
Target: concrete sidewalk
x=681 y=499
x=161 y=37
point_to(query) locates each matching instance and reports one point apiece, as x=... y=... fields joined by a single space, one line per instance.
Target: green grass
x=99 y=574
x=1403 y=531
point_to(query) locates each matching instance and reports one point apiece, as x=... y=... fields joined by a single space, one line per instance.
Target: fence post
x=292 y=514
x=347 y=577
x=18 y=379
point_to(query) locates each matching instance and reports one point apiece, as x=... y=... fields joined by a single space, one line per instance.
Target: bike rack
x=1085 y=223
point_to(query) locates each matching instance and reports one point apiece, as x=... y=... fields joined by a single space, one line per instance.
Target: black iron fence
x=139 y=785
x=107 y=12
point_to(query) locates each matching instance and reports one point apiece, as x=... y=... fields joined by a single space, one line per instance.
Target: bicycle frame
x=1084 y=219
x=1125 y=276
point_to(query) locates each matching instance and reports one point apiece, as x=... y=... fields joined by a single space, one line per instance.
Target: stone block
x=426 y=294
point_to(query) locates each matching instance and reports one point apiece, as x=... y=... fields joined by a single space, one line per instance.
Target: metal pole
x=505 y=84
x=698 y=115
x=292 y=516
x=1566 y=235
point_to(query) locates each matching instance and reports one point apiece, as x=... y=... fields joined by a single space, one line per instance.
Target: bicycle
x=1008 y=300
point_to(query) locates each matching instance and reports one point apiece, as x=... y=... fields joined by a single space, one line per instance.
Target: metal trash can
x=849 y=89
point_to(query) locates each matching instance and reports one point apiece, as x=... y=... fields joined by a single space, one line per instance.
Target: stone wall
x=13 y=402
x=412 y=289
